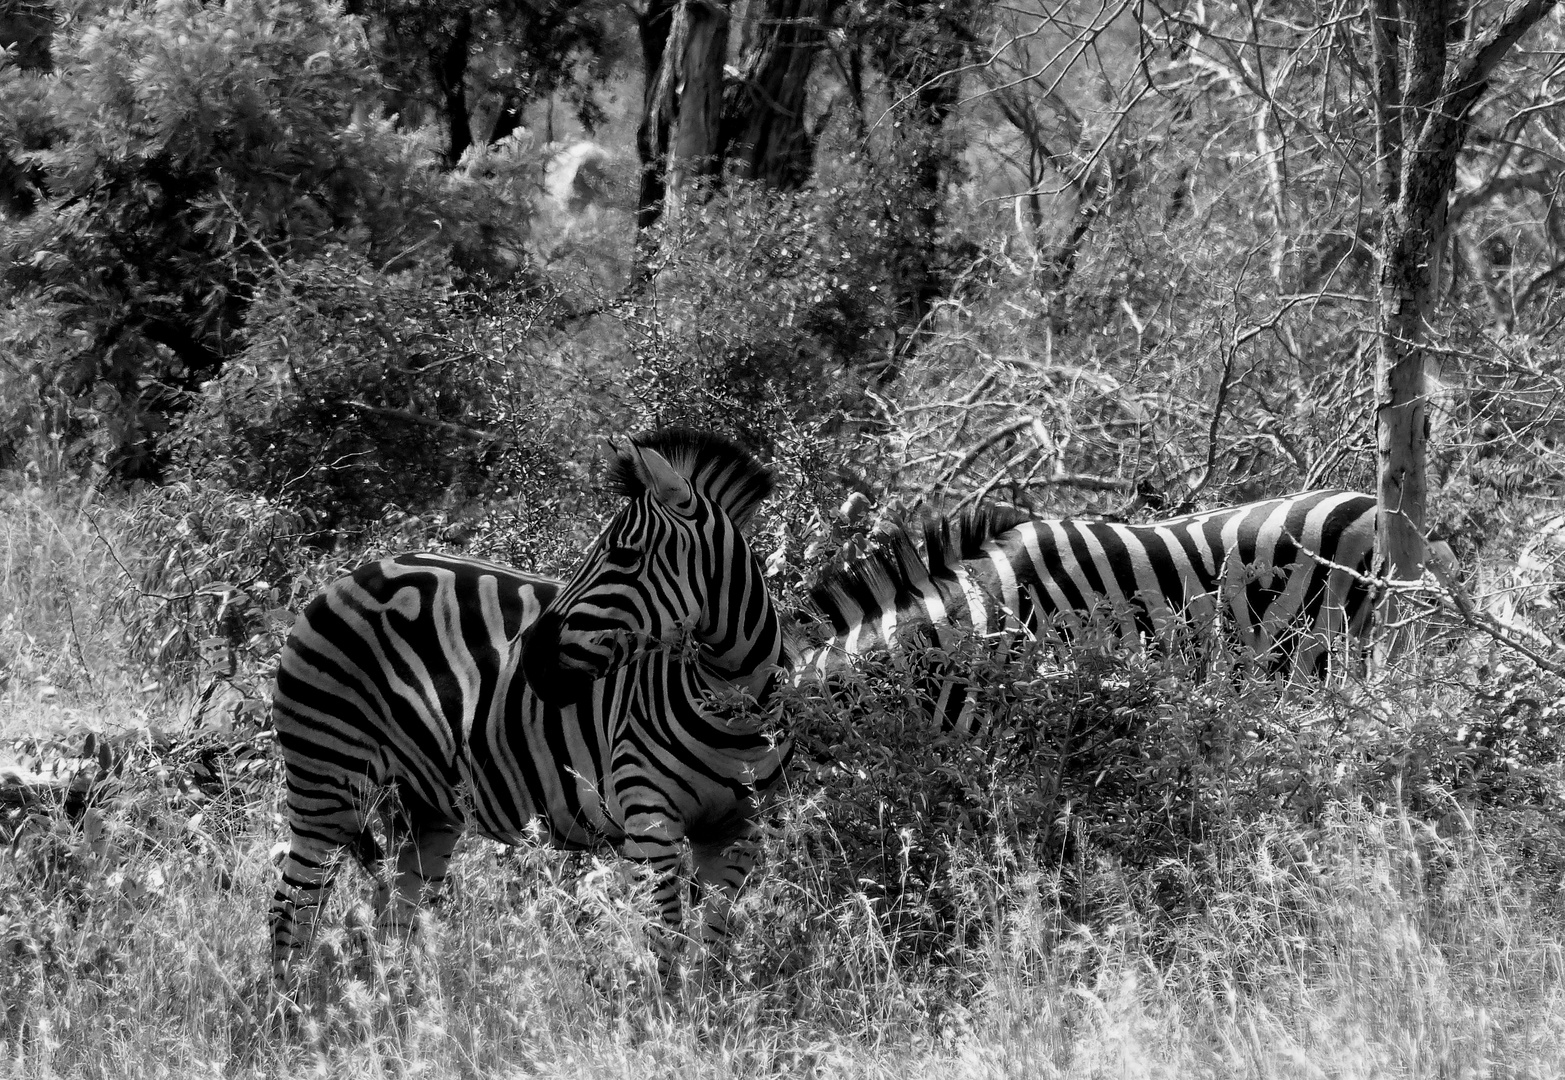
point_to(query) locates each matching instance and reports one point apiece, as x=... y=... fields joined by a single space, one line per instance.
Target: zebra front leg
x=721 y=870
x=423 y=855
x=660 y=848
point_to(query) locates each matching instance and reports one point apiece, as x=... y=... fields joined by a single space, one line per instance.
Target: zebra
x=614 y=706
x=1287 y=575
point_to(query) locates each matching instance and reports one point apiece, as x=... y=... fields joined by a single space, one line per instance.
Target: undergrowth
x=1126 y=872
x=1135 y=866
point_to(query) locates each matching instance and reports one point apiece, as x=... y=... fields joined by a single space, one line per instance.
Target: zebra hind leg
x=721 y=870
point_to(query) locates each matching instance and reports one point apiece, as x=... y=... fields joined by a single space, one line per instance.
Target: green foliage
x=193 y=150
x=1510 y=746
x=359 y=390
x=511 y=54
x=211 y=581
x=741 y=334
x=25 y=126
x=1121 y=778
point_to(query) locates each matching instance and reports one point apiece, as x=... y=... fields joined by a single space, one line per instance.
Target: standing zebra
x=1286 y=575
x=491 y=700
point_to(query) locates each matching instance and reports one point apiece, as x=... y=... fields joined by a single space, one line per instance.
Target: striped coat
x=454 y=694
x=1286 y=577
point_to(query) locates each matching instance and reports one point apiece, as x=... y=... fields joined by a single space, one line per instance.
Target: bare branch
x=1540 y=181
x=1487 y=624
x=1384 y=25
x=417 y=418
x=1471 y=76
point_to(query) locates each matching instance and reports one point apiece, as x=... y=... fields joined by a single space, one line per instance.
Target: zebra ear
x=660 y=480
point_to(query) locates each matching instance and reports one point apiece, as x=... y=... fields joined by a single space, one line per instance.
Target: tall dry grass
x=62 y=651
x=1364 y=931
x=1335 y=953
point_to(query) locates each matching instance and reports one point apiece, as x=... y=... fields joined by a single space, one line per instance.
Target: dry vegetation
x=1118 y=276
x=1232 y=879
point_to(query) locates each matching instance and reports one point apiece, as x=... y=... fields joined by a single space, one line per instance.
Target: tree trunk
x=922 y=57
x=657 y=109
x=684 y=44
x=1400 y=401
x=694 y=143
x=1423 y=99
x=935 y=98
x=764 y=133
x=448 y=62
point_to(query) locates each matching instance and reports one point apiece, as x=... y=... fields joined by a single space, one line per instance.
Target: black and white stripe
x=1287 y=578
x=503 y=702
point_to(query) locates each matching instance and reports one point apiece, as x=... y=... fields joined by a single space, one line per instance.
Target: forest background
x=287 y=285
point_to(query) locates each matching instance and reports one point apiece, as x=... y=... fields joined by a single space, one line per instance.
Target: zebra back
x=1285 y=575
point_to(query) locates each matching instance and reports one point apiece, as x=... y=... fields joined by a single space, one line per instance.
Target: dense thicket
x=341 y=281
x=184 y=158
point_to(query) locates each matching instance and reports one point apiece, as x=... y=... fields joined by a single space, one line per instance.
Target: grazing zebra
x=600 y=708
x=1287 y=575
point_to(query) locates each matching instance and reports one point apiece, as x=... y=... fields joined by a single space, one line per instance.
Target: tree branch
x=1470 y=78
x=1540 y=181
x=411 y=417
x=1384 y=32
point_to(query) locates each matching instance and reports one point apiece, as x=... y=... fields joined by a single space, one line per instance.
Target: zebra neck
x=757 y=684
x=751 y=663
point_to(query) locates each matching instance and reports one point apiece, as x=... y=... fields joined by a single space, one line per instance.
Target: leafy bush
x=191 y=150
x=1121 y=779
x=738 y=334
x=212 y=583
x=360 y=390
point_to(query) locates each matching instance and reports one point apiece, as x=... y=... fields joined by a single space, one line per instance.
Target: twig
x=975 y=451
x=1488 y=624
x=417 y=418
x=1465 y=608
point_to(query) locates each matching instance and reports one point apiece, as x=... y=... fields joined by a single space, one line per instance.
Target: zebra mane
x=948 y=542
x=717 y=467
x=893 y=571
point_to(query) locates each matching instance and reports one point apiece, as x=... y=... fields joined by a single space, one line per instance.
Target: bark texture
x=765 y=135
x=684 y=44
x=694 y=142
x=1426 y=86
x=657 y=108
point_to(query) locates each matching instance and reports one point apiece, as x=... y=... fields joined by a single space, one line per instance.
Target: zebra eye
x=622 y=558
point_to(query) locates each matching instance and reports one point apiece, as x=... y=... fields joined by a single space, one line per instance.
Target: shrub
x=212 y=580
x=740 y=333
x=193 y=149
x=361 y=390
x=1121 y=779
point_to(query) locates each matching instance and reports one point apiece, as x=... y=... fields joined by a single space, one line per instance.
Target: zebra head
x=670 y=571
